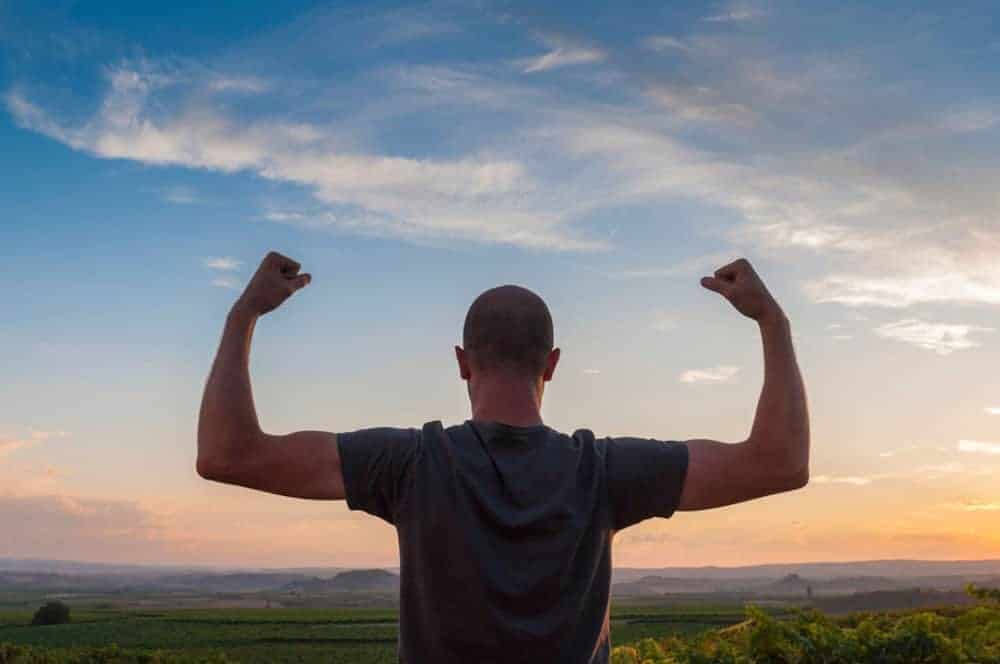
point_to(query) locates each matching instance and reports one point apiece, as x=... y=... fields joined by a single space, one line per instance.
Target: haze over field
x=411 y=156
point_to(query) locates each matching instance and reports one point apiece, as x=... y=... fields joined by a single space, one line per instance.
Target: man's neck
x=508 y=402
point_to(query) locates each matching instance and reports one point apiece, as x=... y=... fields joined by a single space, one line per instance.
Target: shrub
x=51 y=613
x=809 y=637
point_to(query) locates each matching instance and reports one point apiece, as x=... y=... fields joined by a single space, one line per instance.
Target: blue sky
x=412 y=155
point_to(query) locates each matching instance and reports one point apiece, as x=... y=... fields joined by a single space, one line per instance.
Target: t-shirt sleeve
x=376 y=464
x=645 y=478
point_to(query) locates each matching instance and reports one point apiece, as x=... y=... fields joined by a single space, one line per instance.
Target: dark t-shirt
x=505 y=532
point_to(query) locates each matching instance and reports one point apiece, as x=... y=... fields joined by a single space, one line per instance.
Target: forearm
x=228 y=425
x=780 y=433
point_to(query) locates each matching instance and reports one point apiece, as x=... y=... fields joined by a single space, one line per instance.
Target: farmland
x=642 y=633
x=155 y=616
x=361 y=635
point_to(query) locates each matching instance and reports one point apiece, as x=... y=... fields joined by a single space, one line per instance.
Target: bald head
x=510 y=328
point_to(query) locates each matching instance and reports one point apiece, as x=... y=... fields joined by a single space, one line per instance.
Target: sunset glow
x=411 y=157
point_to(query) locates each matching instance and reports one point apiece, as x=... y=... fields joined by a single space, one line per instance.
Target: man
x=504 y=524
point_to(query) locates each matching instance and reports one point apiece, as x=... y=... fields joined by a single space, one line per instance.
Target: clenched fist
x=739 y=283
x=273 y=283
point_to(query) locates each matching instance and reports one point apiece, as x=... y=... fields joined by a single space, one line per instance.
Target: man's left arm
x=232 y=447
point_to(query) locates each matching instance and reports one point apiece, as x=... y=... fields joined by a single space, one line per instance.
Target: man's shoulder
x=466 y=426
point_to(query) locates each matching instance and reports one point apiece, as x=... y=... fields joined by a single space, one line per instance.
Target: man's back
x=505 y=532
x=505 y=529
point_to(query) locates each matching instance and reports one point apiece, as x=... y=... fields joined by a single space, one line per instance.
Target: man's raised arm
x=232 y=448
x=775 y=457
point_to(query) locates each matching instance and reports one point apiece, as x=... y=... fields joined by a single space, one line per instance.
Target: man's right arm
x=775 y=456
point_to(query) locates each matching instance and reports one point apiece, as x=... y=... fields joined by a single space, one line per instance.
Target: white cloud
x=975 y=506
x=10 y=444
x=961 y=285
x=942 y=338
x=239 y=84
x=701 y=104
x=914 y=448
x=223 y=263
x=971 y=119
x=564 y=155
x=664 y=43
x=226 y=282
x=592 y=372
x=284 y=216
x=849 y=479
x=563 y=57
x=978 y=447
x=719 y=374
x=936 y=469
x=696 y=266
x=478 y=197
x=993 y=410
x=810 y=235
x=737 y=12
x=37 y=434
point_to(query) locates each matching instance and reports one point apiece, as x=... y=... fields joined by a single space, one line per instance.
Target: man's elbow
x=213 y=463
x=797 y=480
x=794 y=474
x=209 y=468
x=785 y=474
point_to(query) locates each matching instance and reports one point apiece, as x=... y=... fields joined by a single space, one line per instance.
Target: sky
x=605 y=155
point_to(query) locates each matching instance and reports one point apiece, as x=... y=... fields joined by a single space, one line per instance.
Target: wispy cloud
x=592 y=372
x=914 y=448
x=413 y=24
x=721 y=374
x=962 y=284
x=226 y=282
x=37 y=434
x=978 y=506
x=564 y=57
x=969 y=120
x=10 y=444
x=855 y=480
x=737 y=12
x=992 y=410
x=238 y=84
x=664 y=43
x=695 y=266
x=223 y=263
x=978 y=447
x=477 y=197
x=701 y=104
x=942 y=338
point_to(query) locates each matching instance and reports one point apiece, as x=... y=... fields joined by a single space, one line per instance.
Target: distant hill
x=792 y=581
x=794 y=586
x=239 y=582
x=361 y=580
x=893 y=569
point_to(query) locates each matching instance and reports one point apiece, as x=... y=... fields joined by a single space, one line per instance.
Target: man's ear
x=463 y=363
x=550 y=364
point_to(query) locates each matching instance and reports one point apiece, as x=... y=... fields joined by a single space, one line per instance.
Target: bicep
x=721 y=474
x=304 y=464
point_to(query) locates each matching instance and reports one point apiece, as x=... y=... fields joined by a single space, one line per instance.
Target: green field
x=358 y=635
x=642 y=633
